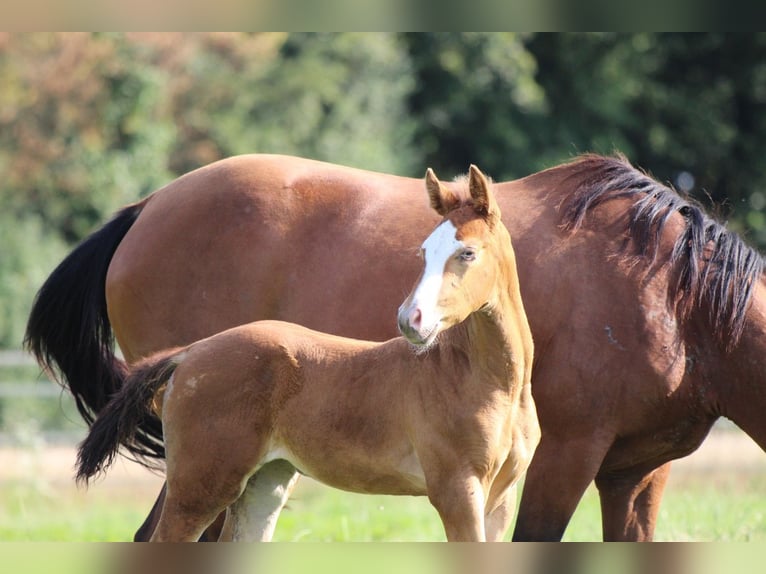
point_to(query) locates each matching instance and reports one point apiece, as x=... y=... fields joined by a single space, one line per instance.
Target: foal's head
x=467 y=259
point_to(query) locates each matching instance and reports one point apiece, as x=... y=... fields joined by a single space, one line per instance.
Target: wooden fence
x=31 y=406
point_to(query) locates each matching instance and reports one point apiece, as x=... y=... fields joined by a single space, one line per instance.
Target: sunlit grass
x=319 y=513
x=32 y=514
x=699 y=507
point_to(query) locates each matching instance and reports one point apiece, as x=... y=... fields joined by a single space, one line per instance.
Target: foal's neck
x=496 y=341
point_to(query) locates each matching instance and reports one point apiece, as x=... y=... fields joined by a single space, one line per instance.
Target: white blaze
x=437 y=249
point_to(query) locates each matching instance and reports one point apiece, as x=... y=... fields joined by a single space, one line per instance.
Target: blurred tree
x=473 y=94
x=89 y=122
x=589 y=82
x=80 y=134
x=81 y=128
x=28 y=252
x=687 y=107
x=333 y=97
x=691 y=108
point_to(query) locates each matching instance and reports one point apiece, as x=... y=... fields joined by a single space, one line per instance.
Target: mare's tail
x=126 y=412
x=69 y=332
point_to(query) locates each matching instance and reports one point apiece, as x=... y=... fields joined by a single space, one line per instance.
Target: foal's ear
x=481 y=192
x=442 y=199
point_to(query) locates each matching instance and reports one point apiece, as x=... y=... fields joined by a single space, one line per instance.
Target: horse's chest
x=486 y=440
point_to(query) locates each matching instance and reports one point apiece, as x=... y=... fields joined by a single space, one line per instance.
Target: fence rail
x=34 y=386
x=32 y=408
x=16 y=358
x=36 y=389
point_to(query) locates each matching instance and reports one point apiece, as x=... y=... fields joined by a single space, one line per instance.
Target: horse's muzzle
x=418 y=337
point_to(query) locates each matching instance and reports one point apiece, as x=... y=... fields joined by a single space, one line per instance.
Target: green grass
x=729 y=510
x=31 y=513
x=735 y=510
x=319 y=513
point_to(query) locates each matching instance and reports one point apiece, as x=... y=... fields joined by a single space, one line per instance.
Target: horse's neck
x=738 y=378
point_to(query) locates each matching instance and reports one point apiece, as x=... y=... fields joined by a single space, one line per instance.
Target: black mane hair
x=715 y=267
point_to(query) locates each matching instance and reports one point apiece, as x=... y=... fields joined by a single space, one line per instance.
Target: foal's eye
x=467 y=255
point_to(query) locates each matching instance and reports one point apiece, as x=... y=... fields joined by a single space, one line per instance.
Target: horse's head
x=465 y=258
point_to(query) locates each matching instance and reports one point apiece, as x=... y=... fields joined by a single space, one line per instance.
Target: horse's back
x=281 y=337
x=241 y=239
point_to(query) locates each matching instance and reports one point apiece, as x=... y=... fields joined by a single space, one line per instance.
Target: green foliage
x=675 y=104
x=81 y=128
x=333 y=97
x=473 y=90
x=27 y=254
x=91 y=122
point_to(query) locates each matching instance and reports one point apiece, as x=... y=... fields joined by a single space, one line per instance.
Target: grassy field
x=719 y=493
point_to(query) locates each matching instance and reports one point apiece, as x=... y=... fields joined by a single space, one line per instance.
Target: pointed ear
x=481 y=192
x=442 y=199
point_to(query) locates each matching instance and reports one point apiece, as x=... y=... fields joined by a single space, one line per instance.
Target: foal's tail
x=69 y=333
x=127 y=411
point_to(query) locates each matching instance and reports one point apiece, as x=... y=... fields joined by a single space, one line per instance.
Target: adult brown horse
x=453 y=420
x=649 y=318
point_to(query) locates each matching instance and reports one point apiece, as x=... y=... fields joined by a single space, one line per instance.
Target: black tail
x=127 y=411
x=69 y=332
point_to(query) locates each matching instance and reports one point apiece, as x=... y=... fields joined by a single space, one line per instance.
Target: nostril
x=416 y=317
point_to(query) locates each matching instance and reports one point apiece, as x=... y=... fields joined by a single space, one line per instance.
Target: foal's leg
x=144 y=532
x=630 y=503
x=498 y=519
x=184 y=519
x=199 y=488
x=460 y=503
x=254 y=515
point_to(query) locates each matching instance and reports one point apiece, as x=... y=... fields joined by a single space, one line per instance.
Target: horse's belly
x=363 y=473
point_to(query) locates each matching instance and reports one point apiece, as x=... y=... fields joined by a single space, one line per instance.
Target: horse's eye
x=467 y=255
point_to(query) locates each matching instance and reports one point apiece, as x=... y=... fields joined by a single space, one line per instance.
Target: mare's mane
x=714 y=265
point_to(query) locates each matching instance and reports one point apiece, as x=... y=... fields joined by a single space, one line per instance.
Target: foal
x=245 y=411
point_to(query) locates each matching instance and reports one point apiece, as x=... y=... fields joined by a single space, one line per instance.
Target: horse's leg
x=498 y=519
x=561 y=470
x=213 y=532
x=184 y=519
x=200 y=486
x=460 y=503
x=253 y=517
x=144 y=532
x=630 y=503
